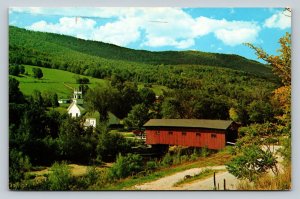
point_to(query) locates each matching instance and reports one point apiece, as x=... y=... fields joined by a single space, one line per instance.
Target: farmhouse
x=213 y=134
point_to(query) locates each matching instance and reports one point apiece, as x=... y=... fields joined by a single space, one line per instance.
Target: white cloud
x=278 y=20
x=122 y=32
x=159 y=26
x=231 y=33
x=238 y=36
x=73 y=26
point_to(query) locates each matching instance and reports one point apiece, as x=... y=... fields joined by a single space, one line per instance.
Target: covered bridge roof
x=196 y=123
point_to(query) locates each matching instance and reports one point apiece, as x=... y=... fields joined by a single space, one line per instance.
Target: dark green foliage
x=170 y=109
x=50 y=99
x=110 y=145
x=22 y=69
x=92 y=175
x=253 y=163
x=117 y=82
x=126 y=166
x=83 y=80
x=151 y=165
x=137 y=117
x=76 y=143
x=147 y=96
x=260 y=111
x=14 y=70
x=59 y=177
x=125 y=98
x=167 y=160
x=18 y=165
x=15 y=95
x=37 y=73
x=101 y=99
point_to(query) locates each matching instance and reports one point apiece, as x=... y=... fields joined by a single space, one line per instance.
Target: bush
x=91 y=175
x=204 y=152
x=59 y=177
x=167 y=160
x=37 y=73
x=252 y=163
x=18 y=165
x=126 y=166
x=151 y=165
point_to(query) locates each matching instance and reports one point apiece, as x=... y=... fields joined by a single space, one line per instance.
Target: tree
x=101 y=99
x=54 y=100
x=137 y=117
x=253 y=163
x=59 y=177
x=15 y=95
x=281 y=64
x=14 y=70
x=22 y=69
x=170 y=109
x=37 y=73
x=110 y=144
x=18 y=165
x=125 y=99
x=117 y=82
x=260 y=111
x=147 y=96
x=126 y=166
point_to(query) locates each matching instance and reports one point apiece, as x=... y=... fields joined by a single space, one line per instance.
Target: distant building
x=76 y=109
x=90 y=122
x=64 y=101
x=213 y=134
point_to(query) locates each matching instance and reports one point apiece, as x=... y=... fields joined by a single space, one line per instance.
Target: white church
x=76 y=109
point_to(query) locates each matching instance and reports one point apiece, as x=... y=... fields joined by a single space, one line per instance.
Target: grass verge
x=219 y=158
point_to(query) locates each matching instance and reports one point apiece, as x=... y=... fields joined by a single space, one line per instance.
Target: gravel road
x=167 y=183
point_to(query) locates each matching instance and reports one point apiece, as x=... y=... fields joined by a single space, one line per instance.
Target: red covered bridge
x=213 y=134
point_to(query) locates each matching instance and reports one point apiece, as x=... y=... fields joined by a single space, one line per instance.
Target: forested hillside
x=77 y=55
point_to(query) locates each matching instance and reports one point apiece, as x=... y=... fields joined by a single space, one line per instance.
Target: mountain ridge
x=32 y=40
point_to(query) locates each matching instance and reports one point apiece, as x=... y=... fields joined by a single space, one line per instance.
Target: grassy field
x=61 y=82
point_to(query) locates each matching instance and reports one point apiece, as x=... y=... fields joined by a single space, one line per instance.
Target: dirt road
x=167 y=183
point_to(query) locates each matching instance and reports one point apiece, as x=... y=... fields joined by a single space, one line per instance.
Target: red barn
x=213 y=134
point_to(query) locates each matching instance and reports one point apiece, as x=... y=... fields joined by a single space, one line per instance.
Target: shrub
x=252 y=163
x=126 y=166
x=151 y=165
x=167 y=160
x=37 y=73
x=59 y=177
x=204 y=152
x=18 y=165
x=91 y=175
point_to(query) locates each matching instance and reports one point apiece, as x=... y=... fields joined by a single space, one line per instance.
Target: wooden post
x=218 y=187
x=215 y=187
x=224 y=184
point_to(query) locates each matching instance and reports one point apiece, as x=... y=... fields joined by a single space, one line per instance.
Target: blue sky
x=220 y=30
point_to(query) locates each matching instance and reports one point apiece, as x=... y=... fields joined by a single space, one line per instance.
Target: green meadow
x=61 y=82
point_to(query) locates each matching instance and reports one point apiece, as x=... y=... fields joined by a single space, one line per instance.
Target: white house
x=90 y=122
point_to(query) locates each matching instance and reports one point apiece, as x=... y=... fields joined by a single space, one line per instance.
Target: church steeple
x=77 y=96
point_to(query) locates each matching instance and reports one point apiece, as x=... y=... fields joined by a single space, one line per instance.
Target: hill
x=66 y=52
x=62 y=82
